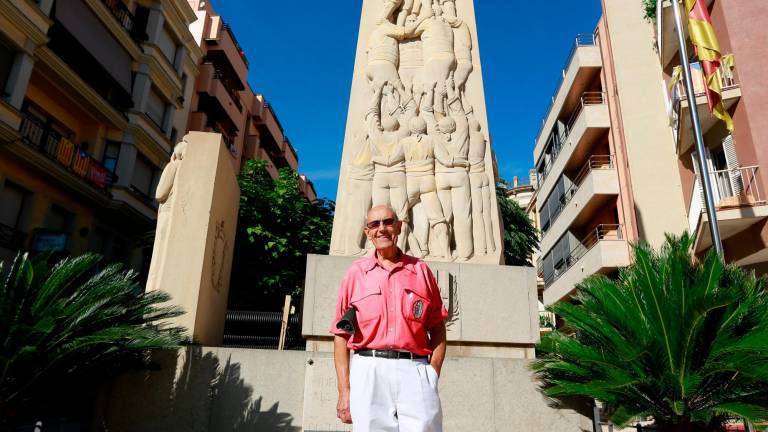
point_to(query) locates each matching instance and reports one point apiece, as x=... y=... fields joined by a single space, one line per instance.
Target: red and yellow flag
x=708 y=50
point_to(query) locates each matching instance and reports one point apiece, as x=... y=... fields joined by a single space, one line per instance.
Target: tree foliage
x=682 y=341
x=60 y=324
x=649 y=9
x=277 y=227
x=520 y=236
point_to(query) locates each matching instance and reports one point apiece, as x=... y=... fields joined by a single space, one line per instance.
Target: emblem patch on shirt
x=418 y=309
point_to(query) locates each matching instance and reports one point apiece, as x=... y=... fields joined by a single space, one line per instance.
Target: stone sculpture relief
x=419 y=147
x=166 y=196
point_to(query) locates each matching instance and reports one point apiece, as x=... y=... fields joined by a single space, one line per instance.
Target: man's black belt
x=389 y=354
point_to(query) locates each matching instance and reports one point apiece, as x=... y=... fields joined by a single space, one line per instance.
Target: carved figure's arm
x=165 y=185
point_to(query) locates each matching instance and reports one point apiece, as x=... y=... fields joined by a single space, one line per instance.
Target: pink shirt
x=395 y=309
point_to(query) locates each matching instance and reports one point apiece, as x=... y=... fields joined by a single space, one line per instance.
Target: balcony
x=680 y=117
x=740 y=206
x=669 y=45
x=589 y=120
x=10 y=120
x=121 y=13
x=225 y=53
x=219 y=97
x=581 y=68
x=602 y=251
x=593 y=188
x=64 y=153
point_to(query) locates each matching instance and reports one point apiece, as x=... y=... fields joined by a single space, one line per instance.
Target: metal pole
x=706 y=182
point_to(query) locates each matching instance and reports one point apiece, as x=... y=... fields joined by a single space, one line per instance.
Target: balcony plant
x=679 y=340
x=60 y=325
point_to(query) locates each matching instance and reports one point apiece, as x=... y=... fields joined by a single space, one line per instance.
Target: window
x=111 y=154
x=156 y=107
x=7 y=56
x=143 y=177
x=14 y=199
x=167 y=44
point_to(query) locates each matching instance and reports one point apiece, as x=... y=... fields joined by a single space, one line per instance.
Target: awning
x=81 y=22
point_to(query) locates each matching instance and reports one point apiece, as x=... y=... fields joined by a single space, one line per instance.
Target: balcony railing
x=237 y=44
x=583 y=39
x=736 y=186
x=121 y=13
x=595 y=162
x=587 y=98
x=602 y=232
x=547 y=321
x=679 y=94
x=219 y=76
x=58 y=148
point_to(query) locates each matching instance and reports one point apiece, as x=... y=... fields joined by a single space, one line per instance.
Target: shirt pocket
x=415 y=301
x=368 y=304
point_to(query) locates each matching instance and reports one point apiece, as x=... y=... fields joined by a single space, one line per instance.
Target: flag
x=707 y=49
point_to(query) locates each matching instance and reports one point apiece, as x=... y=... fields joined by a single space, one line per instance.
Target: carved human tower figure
x=417 y=134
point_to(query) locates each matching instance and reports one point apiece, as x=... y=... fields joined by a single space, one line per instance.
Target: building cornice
x=28 y=19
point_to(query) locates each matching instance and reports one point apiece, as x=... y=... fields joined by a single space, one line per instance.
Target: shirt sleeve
x=437 y=311
x=342 y=303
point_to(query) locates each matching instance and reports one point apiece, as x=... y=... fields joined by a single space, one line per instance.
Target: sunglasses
x=388 y=222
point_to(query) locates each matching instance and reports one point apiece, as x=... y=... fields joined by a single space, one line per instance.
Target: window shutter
x=734 y=171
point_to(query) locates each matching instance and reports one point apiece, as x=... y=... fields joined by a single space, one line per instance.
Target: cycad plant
x=60 y=323
x=681 y=341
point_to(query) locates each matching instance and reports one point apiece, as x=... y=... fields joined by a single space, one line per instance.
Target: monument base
x=205 y=389
x=493 y=309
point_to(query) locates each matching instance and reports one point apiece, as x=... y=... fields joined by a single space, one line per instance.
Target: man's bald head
x=381 y=211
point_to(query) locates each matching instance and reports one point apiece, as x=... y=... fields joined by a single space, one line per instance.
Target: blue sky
x=301 y=56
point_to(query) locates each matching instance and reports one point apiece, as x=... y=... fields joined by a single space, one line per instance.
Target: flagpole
x=706 y=182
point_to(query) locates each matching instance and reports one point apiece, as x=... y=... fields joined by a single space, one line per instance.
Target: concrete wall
x=228 y=389
x=645 y=132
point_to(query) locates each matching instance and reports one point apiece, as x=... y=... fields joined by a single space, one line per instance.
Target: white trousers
x=388 y=395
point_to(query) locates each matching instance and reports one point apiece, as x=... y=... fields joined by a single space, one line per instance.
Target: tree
x=682 y=341
x=520 y=237
x=276 y=229
x=57 y=325
x=649 y=10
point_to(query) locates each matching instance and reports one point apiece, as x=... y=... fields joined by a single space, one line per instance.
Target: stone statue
x=482 y=227
x=358 y=194
x=385 y=133
x=436 y=33
x=420 y=177
x=451 y=136
x=384 y=56
x=166 y=196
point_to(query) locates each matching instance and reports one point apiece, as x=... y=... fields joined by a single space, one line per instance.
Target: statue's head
x=417 y=125
x=447 y=125
x=179 y=150
x=389 y=123
x=449 y=9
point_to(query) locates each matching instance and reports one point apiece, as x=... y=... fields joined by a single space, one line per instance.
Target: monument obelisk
x=417 y=139
x=417 y=134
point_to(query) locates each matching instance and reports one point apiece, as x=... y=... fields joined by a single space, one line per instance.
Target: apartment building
x=736 y=161
x=605 y=156
x=224 y=102
x=94 y=98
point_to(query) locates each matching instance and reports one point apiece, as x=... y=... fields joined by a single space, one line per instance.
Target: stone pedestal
x=195 y=236
x=493 y=309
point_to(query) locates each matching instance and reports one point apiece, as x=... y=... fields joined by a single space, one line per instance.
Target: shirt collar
x=406 y=261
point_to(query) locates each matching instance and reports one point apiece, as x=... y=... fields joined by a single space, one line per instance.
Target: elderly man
x=398 y=339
